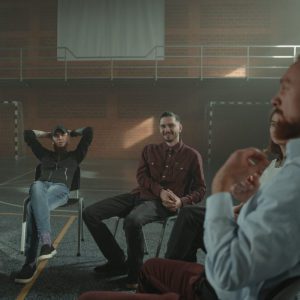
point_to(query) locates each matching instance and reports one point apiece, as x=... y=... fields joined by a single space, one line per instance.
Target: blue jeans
x=44 y=197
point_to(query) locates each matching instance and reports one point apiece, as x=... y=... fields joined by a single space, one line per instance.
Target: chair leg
x=24 y=224
x=80 y=225
x=162 y=233
x=146 y=249
x=23 y=235
x=82 y=207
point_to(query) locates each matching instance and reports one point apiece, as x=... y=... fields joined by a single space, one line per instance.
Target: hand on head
x=240 y=165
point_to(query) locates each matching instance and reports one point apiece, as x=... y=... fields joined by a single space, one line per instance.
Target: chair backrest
x=286 y=290
x=37 y=172
x=75 y=185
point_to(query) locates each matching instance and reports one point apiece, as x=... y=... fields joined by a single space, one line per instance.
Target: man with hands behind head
x=169 y=176
x=49 y=190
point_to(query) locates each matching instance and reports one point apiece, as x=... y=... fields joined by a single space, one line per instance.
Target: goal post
x=11 y=129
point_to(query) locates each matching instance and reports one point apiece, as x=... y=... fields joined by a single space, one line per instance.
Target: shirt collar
x=293 y=148
x=174 y=148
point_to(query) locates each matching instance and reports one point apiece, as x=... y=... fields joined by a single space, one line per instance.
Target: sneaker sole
x=47 y=256
x=131 y=286
x=25 y=280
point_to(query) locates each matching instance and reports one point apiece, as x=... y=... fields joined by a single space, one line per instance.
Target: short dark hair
x=170 y=114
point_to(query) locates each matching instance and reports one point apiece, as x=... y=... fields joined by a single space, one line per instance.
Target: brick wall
x=125 y=115
x=33 y=23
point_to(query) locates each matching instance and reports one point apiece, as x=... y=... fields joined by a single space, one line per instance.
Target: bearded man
x=169 y=176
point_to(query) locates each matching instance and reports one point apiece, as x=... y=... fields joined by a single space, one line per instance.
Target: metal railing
x=176 y=61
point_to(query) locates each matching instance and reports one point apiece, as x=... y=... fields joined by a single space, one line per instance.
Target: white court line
x=10 y=204
x=82 y=190
x=17 y=177
x=21 y=206
x=19 y=214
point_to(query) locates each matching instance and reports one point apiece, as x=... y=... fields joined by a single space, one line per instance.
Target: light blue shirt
x=263 y=247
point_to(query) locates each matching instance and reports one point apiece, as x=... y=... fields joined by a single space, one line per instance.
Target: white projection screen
x=104 y=29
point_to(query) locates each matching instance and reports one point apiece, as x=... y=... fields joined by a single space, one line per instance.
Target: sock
x=45 y=238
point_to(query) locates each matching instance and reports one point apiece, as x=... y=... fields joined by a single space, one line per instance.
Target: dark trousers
x=186 y=279
x=136 y=213
x=187 y=234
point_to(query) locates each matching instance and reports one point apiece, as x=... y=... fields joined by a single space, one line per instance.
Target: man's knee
x=133 y=221
x=186 y=213
x=36 y=186
x=93 y=214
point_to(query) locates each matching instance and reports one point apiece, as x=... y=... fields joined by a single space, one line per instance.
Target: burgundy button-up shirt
x=178 y=168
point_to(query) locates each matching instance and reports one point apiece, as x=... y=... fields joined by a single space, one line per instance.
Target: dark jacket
x=59 y=167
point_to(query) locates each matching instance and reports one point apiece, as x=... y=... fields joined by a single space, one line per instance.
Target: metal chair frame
x=164 y=224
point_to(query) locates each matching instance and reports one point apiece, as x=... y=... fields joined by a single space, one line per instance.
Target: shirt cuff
x=156 y=190
x=219 y=205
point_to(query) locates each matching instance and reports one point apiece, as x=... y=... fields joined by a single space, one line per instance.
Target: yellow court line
x=41 y=266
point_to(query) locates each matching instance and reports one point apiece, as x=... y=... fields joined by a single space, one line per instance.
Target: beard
x=169 y=137
x=286 y=130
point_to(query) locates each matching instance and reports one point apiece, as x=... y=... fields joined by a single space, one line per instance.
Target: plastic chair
x=164 y=224
x=71 y=201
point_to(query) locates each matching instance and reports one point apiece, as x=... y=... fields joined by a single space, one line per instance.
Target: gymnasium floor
x=65 y=276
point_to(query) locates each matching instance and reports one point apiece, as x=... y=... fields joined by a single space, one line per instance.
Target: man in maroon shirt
x=169 y=176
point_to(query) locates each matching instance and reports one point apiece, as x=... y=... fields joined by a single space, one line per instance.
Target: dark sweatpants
x=136 y=213
x=187 y=234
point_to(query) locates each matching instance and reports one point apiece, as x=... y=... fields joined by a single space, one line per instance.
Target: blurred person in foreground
x=247 y=257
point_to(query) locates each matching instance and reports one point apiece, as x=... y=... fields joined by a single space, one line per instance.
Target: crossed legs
x=44 y=197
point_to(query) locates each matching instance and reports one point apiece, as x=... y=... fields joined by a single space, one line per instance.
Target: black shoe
x=112 y=268
x=26 y=274
x=47 y=252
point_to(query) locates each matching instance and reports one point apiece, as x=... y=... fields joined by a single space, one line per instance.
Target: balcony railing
x=193 y=62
